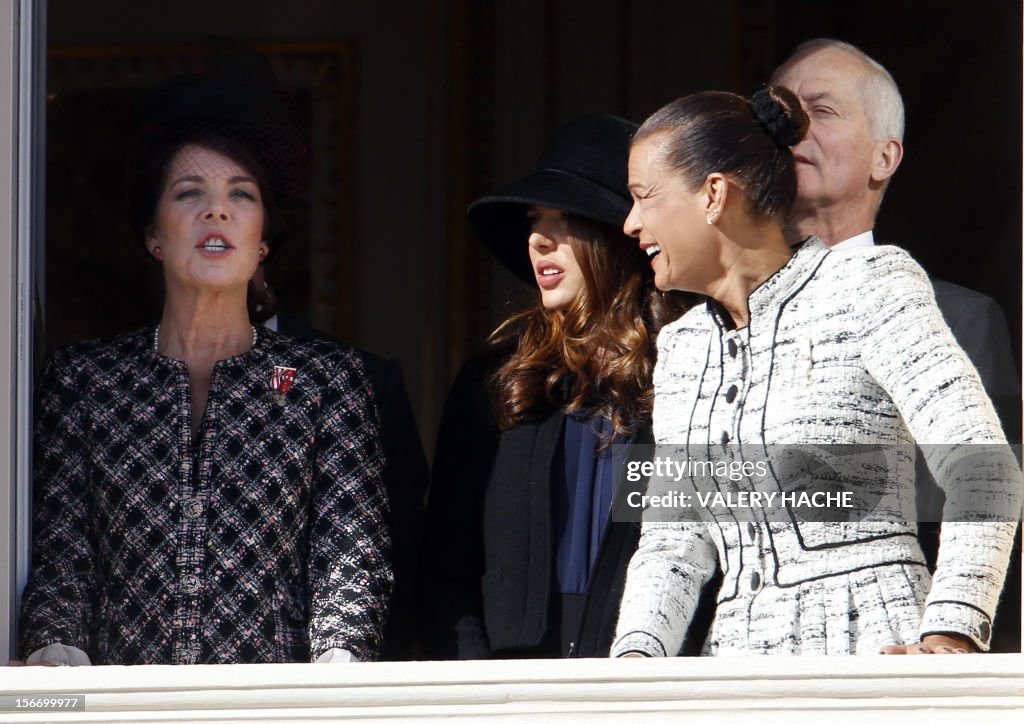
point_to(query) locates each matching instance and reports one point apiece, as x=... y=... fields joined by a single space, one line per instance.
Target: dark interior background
x=440 y=101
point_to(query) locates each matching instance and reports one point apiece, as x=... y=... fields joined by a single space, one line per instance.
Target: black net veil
x=243 y=120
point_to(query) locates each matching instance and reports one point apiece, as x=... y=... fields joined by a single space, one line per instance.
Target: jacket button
x=755 y=581
x=193 y=508
x=190 y=584
x=985 y=631
x=730 y=394
x=733 y=349
x=188 y=656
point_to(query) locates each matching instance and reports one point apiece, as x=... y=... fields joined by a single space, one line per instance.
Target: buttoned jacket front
x=264 y=540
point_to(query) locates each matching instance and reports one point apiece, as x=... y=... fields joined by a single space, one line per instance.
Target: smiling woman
x=803 y=347
x=206 y=491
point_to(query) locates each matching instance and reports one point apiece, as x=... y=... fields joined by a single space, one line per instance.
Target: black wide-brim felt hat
x=582 y=170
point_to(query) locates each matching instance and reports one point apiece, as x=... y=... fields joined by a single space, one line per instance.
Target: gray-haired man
x=852 y=149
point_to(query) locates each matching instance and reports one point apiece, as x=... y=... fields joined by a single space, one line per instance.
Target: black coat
x=405 y=477
x=980 y=327
x=487 y=569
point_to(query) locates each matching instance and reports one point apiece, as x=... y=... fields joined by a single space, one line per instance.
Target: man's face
x=834 y=161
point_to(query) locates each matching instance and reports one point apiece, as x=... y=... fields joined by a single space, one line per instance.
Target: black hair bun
x=779 y=111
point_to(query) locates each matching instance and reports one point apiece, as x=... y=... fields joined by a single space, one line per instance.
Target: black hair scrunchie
x=775 y=118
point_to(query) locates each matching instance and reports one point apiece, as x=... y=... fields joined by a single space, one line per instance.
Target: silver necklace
x=156 y=339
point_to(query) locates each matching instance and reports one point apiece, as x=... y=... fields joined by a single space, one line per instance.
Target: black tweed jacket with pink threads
x=262 y=540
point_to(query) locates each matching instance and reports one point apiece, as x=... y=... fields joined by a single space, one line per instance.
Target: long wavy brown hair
x=598 y=354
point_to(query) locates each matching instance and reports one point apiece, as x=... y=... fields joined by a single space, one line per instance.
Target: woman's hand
x=56 y=654
x=934 y=644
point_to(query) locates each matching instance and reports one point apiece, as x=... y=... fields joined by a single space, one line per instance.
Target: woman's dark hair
x=153 y=159
x=597 y=355
x=747 y=140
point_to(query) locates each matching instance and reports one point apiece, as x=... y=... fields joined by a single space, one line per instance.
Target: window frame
x=21 y=181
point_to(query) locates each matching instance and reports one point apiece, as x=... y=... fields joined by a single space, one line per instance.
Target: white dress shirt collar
x=856 y=242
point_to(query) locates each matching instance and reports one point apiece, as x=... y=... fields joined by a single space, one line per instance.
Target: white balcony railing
x=877 y=689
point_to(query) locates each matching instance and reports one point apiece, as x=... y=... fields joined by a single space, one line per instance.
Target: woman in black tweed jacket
x=206 y=492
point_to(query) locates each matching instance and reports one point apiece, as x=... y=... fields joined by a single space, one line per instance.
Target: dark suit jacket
x=405 y=479
x=487 y=570
x=979 y=325
x=980 y=328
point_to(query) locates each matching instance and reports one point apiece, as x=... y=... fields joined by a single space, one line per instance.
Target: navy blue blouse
x=582 y=491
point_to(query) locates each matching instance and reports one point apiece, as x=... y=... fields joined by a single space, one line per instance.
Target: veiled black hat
x=240 y=115
x=582 y=170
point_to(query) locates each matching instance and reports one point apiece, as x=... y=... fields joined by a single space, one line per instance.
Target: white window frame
x=8 y=231
x=21 y=132
x=948 y=688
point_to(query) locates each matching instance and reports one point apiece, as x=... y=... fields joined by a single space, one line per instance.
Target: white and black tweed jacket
x=840 y=349
x=265 y=540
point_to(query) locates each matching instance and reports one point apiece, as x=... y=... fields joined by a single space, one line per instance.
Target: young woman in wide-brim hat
x=520 y=559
